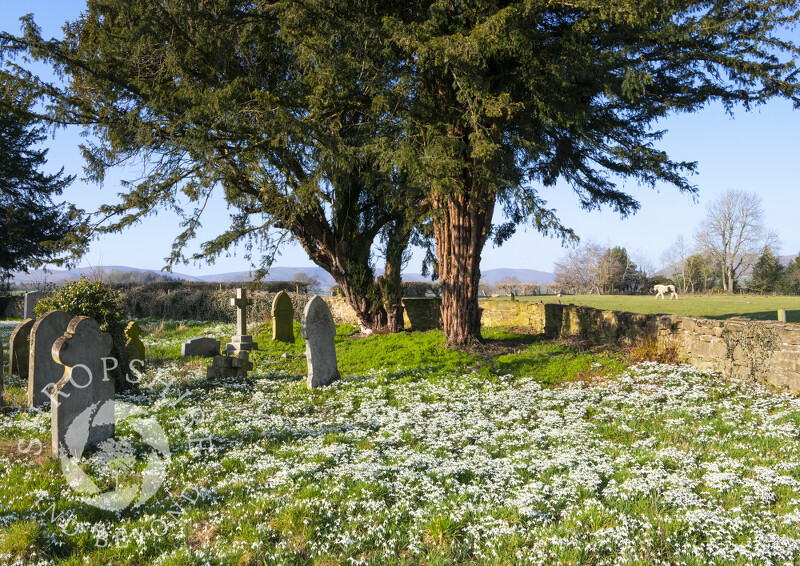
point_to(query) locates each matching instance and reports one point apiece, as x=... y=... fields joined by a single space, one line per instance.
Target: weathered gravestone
x=203 y=347
x=43 y=370
x=229 y=366
x=319 y=332
x=133 y=344
x=30 y=303
x=242 y=341
x=282 y=318
x=19 y=348
x=82 y=402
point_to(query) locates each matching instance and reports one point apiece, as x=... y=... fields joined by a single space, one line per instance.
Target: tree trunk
x=461 y=226
x=391 y=284
x=370 y=312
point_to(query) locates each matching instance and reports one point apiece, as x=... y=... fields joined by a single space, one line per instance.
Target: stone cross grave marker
x=133 y=344
x=82 y=402
x=242 y=341
x=229 y=366
x=43 y=371
x=19 y=346
x=319 y=332
x=282 y=317
x=29 y=303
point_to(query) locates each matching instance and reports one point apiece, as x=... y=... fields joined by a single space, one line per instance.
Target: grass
x=756 y=307
x=517 y=451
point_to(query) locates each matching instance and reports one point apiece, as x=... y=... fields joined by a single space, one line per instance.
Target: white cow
x=661 y=289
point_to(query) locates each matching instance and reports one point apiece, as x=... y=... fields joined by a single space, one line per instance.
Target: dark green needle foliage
x=31 y=225
x=273 y=105
x=345 y=123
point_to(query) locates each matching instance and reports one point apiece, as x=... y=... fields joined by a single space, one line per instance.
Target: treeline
x=732 y=250
x=592 y=268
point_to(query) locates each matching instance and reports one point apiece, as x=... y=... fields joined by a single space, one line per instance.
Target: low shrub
x=103 y=304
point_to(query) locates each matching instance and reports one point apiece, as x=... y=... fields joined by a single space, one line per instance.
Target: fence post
x=781 y=315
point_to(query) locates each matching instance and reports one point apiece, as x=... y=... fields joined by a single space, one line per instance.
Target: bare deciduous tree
x=734 y=234
x=508 y=285
x=579 y=270
x=676 y=258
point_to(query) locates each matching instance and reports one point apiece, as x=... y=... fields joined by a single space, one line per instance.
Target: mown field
x=756 y=307
x=517 y=452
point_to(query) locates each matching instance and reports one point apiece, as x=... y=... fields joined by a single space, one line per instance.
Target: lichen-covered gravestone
x=242 y=341
x=203 y=347
x=43 y=371
x=29 y=303
x=133 y=344
x=19 y=348
x=282 y=317
x=82 y=402
x=319 y=332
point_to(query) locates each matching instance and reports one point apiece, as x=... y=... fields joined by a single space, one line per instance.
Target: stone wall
x=741 y=348
x=418 y=313
x=765 y=351
x=422 y=313
x=341 y=311
x=12 y=307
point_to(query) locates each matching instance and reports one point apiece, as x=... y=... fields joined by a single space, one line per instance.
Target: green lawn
x=520 y=451
x=757 y=307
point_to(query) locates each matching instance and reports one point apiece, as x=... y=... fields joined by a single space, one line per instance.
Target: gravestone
x=230 y=366
x=319 y=332
x=30 y=302
x=82 y=402
x=19 y=348
x=203 y=347
x=282 y=317
x=242 y=341
x=43 y=370
x=133 y=344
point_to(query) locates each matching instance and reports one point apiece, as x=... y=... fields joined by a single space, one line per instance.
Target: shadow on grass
x=791 y=316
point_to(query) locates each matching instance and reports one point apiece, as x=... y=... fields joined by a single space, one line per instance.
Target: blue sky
x=755 y=152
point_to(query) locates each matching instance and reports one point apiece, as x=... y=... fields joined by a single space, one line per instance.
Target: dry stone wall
x=740 y=348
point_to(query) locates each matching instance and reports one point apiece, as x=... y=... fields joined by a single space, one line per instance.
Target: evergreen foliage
x=329 y=121
x=791 y=277
x=103 y=304
x=31 y=225
x=767 y=274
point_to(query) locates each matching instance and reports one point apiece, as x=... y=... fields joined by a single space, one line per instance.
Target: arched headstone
x=282 y=317
x=83 y=389
x=19 y=348
x=319 y=332
x=43 y=371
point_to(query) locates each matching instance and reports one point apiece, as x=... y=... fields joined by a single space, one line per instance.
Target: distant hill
x=492 y=276
x=60 y=275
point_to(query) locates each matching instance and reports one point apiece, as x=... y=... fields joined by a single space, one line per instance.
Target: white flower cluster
x=664 y=465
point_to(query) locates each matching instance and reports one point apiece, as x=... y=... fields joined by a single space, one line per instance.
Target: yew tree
x=339 y=122
x=32 y=226
x=504 y=98
x=269 y=104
